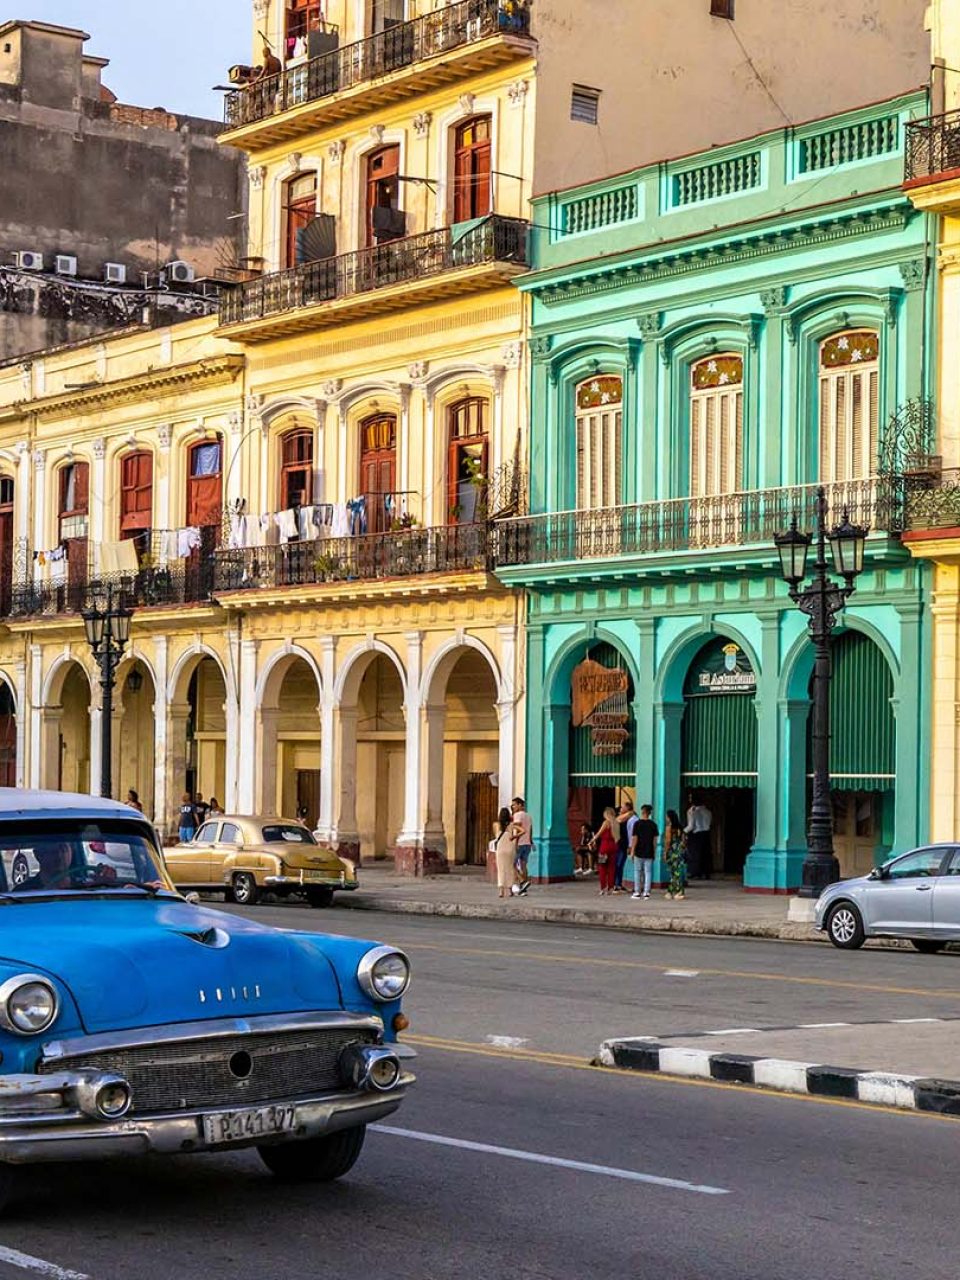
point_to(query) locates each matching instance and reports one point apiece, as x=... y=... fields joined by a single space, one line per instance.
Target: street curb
x=626 y=921
x=881 y=1088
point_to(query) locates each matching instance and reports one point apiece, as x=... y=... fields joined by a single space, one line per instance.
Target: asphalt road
x=686 y=1179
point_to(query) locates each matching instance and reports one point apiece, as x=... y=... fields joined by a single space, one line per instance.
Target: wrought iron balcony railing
x=933 y=146
x=934 y=505
x=457 y=548
x=399 y=46
x=180 y=584
x=692 y=524
x=496 y=239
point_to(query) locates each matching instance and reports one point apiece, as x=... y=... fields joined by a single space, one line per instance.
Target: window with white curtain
x=849 y=405
x=716 y=426
x=599 y=442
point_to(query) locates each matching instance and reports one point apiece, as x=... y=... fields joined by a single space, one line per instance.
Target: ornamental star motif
x=724 y=377
x=843 y=343
x=711 y=366
x=605 y=397
x=856 y=354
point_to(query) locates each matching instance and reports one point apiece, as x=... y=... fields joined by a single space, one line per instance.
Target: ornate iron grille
x=400 y=46
x=933 y=146
x=935 y=506
x=496 y=239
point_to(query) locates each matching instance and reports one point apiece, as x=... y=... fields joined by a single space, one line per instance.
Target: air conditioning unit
x=27 y=260
x=114 y=273
x=178 y=273
x=66 y=265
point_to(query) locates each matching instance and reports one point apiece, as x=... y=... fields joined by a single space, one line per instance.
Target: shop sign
x=726 y=670
x=599 y=702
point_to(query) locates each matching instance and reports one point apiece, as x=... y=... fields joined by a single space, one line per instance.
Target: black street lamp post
x=821 y=601
x=106 y=620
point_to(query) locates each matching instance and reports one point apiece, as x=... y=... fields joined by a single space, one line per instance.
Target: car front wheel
x=927 y=946
x=315 y=1159
x=320 y=897
x=244 y=887
x=20 y=870
x=844 y=927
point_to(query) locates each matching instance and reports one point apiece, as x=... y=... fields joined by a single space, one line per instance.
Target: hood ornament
x=212 y=937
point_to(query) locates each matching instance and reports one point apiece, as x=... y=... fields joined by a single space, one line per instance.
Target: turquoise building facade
x=712 y=337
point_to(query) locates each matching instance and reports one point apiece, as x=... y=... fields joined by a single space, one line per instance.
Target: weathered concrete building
x=146 y=188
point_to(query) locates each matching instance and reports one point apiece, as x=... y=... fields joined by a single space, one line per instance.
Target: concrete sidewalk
x=714 y=906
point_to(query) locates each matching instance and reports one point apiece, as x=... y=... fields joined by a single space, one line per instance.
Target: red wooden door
x=471 y=170
x=136 y=499
x=205 y=485
x=383 y=188
x=74 y=513
x=300 y=207
x=378 y=469
x=296 y=469
x=467 y=460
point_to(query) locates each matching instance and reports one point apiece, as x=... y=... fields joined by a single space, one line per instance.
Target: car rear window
x=286 y=833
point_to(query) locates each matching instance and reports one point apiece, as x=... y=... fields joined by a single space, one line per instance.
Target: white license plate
x=316 y=875
x=257 y=1122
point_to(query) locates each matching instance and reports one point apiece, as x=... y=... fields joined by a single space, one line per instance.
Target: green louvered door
x=719 y=733
x=862 y=725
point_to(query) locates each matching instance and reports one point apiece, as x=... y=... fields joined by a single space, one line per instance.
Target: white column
x=246 y=769
x=509 y=784
x=96 y=736
x=430 y=829
x=430 y=515
x=98 y=497
x=403 y=449
x=161 y=769
x=36 y=713
x=409 y=834
x=162 y=517
x=22 y=498
x=325 y=819
x=232 y=719
x=23 y=702
x=39 y=504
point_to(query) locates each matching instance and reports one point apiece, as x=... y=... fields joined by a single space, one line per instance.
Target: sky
x=165 y=54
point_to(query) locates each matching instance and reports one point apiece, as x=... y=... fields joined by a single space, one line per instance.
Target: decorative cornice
x=746 y=247
x=649 y=326
x=421 y=123
x=913 y=274
x=100 y=448
x=335 y=151
x=774 y=300
x=153 y=383
x=539 y=346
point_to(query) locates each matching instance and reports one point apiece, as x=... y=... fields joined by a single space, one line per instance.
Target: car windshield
x=76 y=856
x=286 y=833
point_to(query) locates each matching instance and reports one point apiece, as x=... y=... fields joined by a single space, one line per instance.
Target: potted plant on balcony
x=329 y=568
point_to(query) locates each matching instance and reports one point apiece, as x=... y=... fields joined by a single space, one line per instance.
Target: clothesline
x=308 y=523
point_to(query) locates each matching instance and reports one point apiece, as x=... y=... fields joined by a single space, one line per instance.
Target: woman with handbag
x=505 y=846
x=607 y=842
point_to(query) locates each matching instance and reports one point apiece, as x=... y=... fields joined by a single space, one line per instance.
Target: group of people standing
x=193 y=813
x=628 y=835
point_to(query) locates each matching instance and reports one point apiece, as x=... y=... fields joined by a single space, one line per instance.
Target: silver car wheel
x=20 y=871
x=843 y=924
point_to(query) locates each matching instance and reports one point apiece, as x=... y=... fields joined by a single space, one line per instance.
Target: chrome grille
x=190 y=1074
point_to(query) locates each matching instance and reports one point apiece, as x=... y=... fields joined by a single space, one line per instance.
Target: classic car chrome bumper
x=298 y=882
x=49 y=1117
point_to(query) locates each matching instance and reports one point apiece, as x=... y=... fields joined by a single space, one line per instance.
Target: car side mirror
x=878 y=873
x=193 y=899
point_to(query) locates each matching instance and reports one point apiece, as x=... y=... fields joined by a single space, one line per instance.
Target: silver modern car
x=915 y=896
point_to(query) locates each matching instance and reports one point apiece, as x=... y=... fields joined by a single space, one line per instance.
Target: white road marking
x=506 y=1042
x=734 y=1031
x=532 y=1157
x=681 y=973
x=911 y=1020
x=814 y=1026
x=14 y=1258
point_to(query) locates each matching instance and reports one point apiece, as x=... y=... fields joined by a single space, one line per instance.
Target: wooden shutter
x=849 y=406
x=204 y=492
x=136 y=492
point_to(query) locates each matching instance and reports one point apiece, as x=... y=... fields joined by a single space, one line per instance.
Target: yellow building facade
x=932 y=181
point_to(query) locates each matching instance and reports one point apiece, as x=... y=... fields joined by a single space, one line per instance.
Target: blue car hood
x=146 y=961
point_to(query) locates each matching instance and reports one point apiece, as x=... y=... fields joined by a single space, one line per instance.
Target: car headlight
x=28 y=1004
x=384 y=973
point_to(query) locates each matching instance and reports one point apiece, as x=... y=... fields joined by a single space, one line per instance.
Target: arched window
x=299 y=210
x=6 y=546
x=849 y=405
x=471 y=170
x=378 y=469
x=598 y=442
x=716 y=426
x=205 y=484
x=136 y=499
x=467 y=464
x=296 y=468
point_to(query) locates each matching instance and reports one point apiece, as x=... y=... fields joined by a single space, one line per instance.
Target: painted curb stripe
x=879 y=1088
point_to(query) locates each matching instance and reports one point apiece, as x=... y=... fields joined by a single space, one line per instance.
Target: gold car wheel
x=245 y=891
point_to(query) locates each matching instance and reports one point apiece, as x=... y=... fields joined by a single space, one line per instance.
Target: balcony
x=668 y=533
x=415 y=57
x=932 y=173
x=349 y=563
x=416 y=269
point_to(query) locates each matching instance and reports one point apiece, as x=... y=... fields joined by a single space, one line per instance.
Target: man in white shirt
x=699 y=849
x=522 y=820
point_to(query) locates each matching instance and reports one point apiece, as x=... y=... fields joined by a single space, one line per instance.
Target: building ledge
x=942 y=545
x=360 y=591
x=935 y=193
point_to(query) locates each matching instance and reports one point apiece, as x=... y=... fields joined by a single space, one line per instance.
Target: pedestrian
x=697 y=830
x=505 y=847
x=626 y=831
x=522 y=820
x=188 y=819
x=201 y=808
x=675 y=855
x=133 y=800
x=583 y=854
x=607 y=841
x=646 y=833
x=214 y=810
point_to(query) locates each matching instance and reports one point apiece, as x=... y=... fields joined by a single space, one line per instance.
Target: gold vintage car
x=244 y=857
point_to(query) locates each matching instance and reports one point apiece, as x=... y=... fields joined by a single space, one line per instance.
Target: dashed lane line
x=557 y=1162
x=751 y=975
x=39 y=1267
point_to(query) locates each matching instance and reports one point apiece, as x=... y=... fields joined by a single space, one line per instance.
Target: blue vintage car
x=132 y=1020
